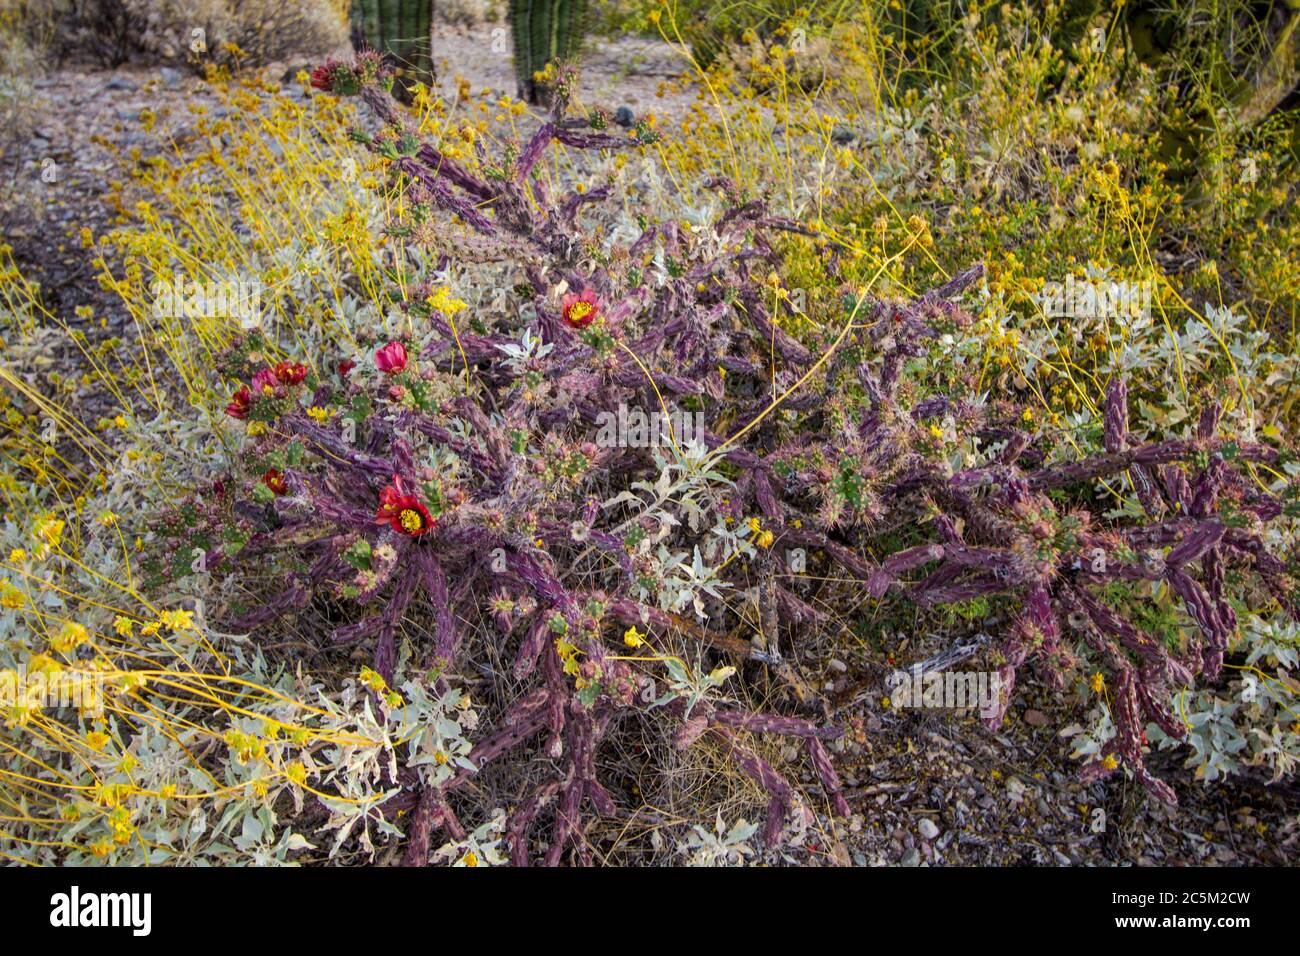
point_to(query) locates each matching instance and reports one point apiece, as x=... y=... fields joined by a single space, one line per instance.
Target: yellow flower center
x=410 y=520
x=579 y=311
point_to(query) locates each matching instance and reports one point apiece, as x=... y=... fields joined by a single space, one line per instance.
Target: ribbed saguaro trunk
x=400 y=29
x=544 y=31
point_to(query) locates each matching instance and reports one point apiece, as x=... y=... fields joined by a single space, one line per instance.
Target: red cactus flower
x=580 y=310
x=391 y=359
x=402 y=511
x=274 y=480
x=266 y=382
x=240 y=403
x=323 y=76
x=290 y=373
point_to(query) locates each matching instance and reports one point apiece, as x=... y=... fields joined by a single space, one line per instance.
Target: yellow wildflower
x=50 y=530
x=177 y=620
x=71 y=636
x=11 y=597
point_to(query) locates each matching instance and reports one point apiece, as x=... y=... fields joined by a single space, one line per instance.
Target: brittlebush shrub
x=248 y=32
x=237 y=32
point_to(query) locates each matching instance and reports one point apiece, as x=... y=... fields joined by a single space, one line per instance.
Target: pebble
x=624 y=117
x=912 y=857
x=927 y=829
x=171 y=77
x=120 y=83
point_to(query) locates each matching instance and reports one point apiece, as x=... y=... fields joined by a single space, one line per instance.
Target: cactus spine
x=544 y=31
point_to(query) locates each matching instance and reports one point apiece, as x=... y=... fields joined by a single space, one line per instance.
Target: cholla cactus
x=1015 y=541
x=353 y=509
x=455 y=471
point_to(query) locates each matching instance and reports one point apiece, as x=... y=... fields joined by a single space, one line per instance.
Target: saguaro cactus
x=544 y=31
x=400 y=29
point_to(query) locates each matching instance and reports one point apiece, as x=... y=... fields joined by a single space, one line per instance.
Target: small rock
x=927 y=829
x=171 y=77
x=912 y=857
x=120 y=83
x=837 y=665
x=842 y=135
x=624 y=117
x=1035 y=718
